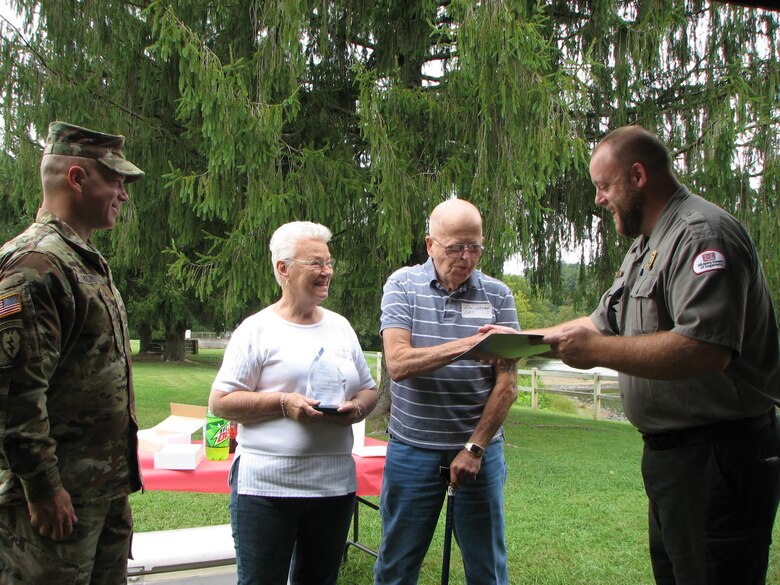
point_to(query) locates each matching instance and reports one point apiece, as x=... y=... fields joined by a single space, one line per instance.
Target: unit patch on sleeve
x=10 y=341
x=10 y=304
x=708 y=261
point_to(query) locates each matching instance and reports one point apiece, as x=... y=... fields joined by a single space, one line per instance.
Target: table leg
x=356 y=528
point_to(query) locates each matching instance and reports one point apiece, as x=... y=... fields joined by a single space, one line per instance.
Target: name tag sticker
x=476 y=310
x=708 y=261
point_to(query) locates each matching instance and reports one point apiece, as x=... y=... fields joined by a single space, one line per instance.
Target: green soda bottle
x=216 y=437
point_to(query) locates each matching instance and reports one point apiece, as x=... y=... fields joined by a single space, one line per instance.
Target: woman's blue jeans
x=300 y=537
x=413 y=492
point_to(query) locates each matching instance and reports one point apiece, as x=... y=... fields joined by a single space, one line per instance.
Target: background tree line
x=364 y=115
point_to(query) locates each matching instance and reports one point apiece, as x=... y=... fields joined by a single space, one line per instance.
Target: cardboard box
x=178 y=456
x=359 y=446
x=171 y=440
x=151 y=440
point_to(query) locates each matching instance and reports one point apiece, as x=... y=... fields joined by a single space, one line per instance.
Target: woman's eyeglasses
x=317 y=263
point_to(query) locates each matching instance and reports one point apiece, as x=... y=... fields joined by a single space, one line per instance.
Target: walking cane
x=445 y=559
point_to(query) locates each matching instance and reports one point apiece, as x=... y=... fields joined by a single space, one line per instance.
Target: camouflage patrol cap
x=72 y=140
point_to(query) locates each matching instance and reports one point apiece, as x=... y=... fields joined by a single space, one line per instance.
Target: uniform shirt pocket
x=643 y=308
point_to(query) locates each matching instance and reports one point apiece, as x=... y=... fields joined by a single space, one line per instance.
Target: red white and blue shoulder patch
x=708 y=261
x=10 y=304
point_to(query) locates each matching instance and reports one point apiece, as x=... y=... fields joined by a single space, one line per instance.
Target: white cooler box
x=197 y=556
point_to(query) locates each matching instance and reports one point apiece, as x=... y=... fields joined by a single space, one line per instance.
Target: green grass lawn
x=575 y=505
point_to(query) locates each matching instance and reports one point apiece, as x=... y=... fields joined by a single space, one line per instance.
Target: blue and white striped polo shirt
x=441 y=409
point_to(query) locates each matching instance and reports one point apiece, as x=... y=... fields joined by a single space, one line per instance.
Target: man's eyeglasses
x=317 y=263
x=456 y=250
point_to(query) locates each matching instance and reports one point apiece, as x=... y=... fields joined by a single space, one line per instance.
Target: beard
x=630 y=212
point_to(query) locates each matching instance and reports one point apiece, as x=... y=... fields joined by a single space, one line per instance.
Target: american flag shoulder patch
x=10 y=305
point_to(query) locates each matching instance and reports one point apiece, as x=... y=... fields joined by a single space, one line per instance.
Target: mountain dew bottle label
x=216 y=437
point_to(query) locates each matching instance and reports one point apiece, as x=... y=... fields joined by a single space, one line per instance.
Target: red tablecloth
x=211 y=476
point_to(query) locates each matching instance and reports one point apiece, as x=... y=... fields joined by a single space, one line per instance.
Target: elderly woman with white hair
x=295 y=379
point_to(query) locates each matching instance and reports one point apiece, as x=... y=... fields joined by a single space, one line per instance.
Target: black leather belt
x=727 y=429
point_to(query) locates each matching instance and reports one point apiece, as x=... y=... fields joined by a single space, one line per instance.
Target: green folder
x=506 y=346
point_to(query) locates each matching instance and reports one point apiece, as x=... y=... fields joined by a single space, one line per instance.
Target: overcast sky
x=7 y=12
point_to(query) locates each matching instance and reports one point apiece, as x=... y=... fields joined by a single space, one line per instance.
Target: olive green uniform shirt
x=697 y=275
x=66 y=395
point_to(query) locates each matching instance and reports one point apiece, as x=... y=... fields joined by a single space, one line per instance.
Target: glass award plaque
x=326 y=383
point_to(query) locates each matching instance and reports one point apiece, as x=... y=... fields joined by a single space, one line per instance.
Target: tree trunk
x=174 y=343
x=383 y=406
x=145 y=335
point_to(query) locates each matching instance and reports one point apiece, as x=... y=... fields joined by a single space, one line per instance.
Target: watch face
x=475 y=449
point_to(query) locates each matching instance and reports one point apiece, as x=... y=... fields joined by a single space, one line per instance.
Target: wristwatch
x=474 y=449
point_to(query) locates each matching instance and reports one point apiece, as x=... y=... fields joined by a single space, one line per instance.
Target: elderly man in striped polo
x=445 y=413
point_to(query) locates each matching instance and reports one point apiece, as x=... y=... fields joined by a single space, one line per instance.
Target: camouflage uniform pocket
x=116 y=319
x=24 y=563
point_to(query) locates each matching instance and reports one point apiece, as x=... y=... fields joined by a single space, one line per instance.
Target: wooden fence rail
x=604 y=386
x=579 y=387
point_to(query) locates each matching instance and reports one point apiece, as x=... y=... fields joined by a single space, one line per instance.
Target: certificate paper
x=506 y=346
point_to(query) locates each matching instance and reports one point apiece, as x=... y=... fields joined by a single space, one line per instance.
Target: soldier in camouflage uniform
x=68 y=444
